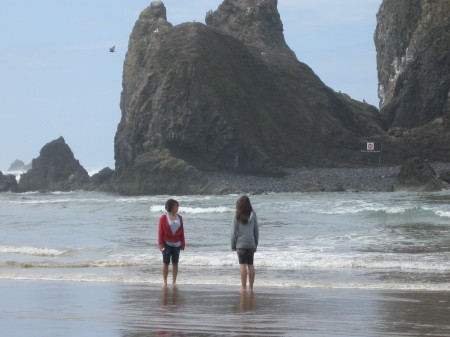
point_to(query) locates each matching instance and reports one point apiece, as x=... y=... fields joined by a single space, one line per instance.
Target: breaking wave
x=32 y=251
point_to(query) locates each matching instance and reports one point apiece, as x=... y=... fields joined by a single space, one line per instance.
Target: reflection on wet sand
x=168 y=304
x=216 y=311
x=169 y=297
x=79 y=309
x=246 y=303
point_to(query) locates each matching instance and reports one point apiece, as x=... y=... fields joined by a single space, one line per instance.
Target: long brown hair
x=243 y=209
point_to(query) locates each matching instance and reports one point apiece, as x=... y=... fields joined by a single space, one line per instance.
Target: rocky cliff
x=229 y=95
x=412 y=39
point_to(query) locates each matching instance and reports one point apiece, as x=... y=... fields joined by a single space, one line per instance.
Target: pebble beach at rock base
x=369 y=179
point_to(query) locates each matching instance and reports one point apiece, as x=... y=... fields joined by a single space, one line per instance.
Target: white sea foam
x=157 y=208
x=193 y=210
x=133 y=200
x=17 y=174
x=230 y=280
x=319 y=260
x=75 y=265
x=45 y=201
x=32 y=251
x=216 y=261
x=443 y=213
x=199 y=210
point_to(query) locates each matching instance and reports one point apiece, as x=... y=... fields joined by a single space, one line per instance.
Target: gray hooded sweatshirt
x=245 y=235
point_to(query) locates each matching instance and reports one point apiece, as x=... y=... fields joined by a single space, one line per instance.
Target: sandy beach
x=41 y=308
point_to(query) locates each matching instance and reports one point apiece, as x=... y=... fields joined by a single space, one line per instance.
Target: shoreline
x=74 y=309
x=365 y=179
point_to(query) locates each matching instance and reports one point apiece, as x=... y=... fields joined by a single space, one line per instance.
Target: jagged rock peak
x=254 y=22
x=151 y=21
x=155 y=11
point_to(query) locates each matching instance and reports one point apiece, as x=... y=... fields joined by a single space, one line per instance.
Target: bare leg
x=174 y=273
x=251 y=277
x=165 y=272
x=243 y=270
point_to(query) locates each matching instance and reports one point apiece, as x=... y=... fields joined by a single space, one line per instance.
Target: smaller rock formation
x=55 y=169
x=18 y=165
x=8 y=183
x=417 y=174
x=102 y=181
x=101 y=177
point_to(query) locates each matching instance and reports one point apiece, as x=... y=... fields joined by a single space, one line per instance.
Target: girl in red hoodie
x=170 y=239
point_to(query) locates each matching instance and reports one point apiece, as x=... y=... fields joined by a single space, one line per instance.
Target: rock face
x=445 y=175
x=55 y=169
x=229 y=95
x=8 y=183
x=255 y=23
x=412 y=39
x=418 y=175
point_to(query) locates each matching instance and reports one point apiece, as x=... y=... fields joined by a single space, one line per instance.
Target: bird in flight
x=112 y=49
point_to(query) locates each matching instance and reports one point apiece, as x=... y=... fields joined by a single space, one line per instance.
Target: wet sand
x=41 y=308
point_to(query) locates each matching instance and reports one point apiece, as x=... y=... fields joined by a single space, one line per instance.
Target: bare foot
x=243 y=289
x=250 y=290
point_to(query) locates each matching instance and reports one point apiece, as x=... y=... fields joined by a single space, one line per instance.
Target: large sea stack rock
x=412 y=40
x=56 y=169
x=229 y=95
x=8 y=183
x=417 y=174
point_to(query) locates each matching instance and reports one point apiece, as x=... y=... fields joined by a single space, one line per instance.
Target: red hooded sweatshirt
x=165 y=233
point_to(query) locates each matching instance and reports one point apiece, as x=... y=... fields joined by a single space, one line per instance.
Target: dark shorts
x=170 y=253
x=245 y=256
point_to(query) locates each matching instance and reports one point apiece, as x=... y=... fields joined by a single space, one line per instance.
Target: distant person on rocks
x=171 y=239
x=244 y=239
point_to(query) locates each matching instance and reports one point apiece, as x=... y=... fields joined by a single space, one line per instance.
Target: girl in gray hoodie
x=244 y=239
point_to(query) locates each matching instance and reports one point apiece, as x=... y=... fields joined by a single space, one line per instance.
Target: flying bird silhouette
x=112 y=49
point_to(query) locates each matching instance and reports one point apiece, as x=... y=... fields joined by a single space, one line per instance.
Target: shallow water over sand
x=31 y=308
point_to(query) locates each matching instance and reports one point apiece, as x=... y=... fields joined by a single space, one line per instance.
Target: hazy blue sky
x=58 y=78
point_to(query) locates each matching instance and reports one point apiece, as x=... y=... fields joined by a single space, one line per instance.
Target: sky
x=59 y=79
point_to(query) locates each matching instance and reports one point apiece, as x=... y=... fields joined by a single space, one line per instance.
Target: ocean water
x=397 y=240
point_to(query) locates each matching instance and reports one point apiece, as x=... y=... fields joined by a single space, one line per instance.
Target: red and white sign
x=370 y=146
